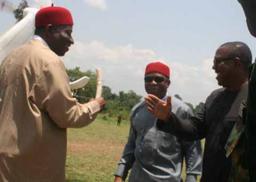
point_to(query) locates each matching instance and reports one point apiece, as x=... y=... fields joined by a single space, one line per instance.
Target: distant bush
x=116 y=104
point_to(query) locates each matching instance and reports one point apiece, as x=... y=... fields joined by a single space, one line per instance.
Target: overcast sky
x=123 y=36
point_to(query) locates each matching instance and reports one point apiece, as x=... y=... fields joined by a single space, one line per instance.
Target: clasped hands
x=159 y=108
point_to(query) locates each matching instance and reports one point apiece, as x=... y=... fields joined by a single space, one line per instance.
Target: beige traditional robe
x=36 y=107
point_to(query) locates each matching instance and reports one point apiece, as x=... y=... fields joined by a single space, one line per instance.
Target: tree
x=199 y=107
x=187 y=103
x=190 y=106
x=129 y=99
x=107 y=94
x=18 y=13
x=116 y=104
x=86 y=93
x=178 y=96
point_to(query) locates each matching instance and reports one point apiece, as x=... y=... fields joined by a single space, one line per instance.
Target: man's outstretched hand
x=159 y=108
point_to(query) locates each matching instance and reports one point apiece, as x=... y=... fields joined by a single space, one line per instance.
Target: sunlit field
x=94 y=151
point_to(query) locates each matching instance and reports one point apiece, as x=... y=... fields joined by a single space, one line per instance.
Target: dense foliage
x=118 y=105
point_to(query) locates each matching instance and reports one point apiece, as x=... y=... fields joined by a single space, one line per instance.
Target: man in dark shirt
x=216 y=118
x=249 y=7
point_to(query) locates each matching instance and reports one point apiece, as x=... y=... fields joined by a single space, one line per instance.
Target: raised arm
x=181 y=124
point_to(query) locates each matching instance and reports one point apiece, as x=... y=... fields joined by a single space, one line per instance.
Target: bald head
x=238 y=50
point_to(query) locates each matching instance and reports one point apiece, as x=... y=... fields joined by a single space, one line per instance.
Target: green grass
x=93 y=151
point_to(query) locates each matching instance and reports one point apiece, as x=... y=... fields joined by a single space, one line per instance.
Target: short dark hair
x=240 y=50
x=39 y=30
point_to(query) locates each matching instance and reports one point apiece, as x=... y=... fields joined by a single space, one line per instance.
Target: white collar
x=37 y=37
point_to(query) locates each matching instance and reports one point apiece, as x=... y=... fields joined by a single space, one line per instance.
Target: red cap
x=53 y=15
x=158 y=67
